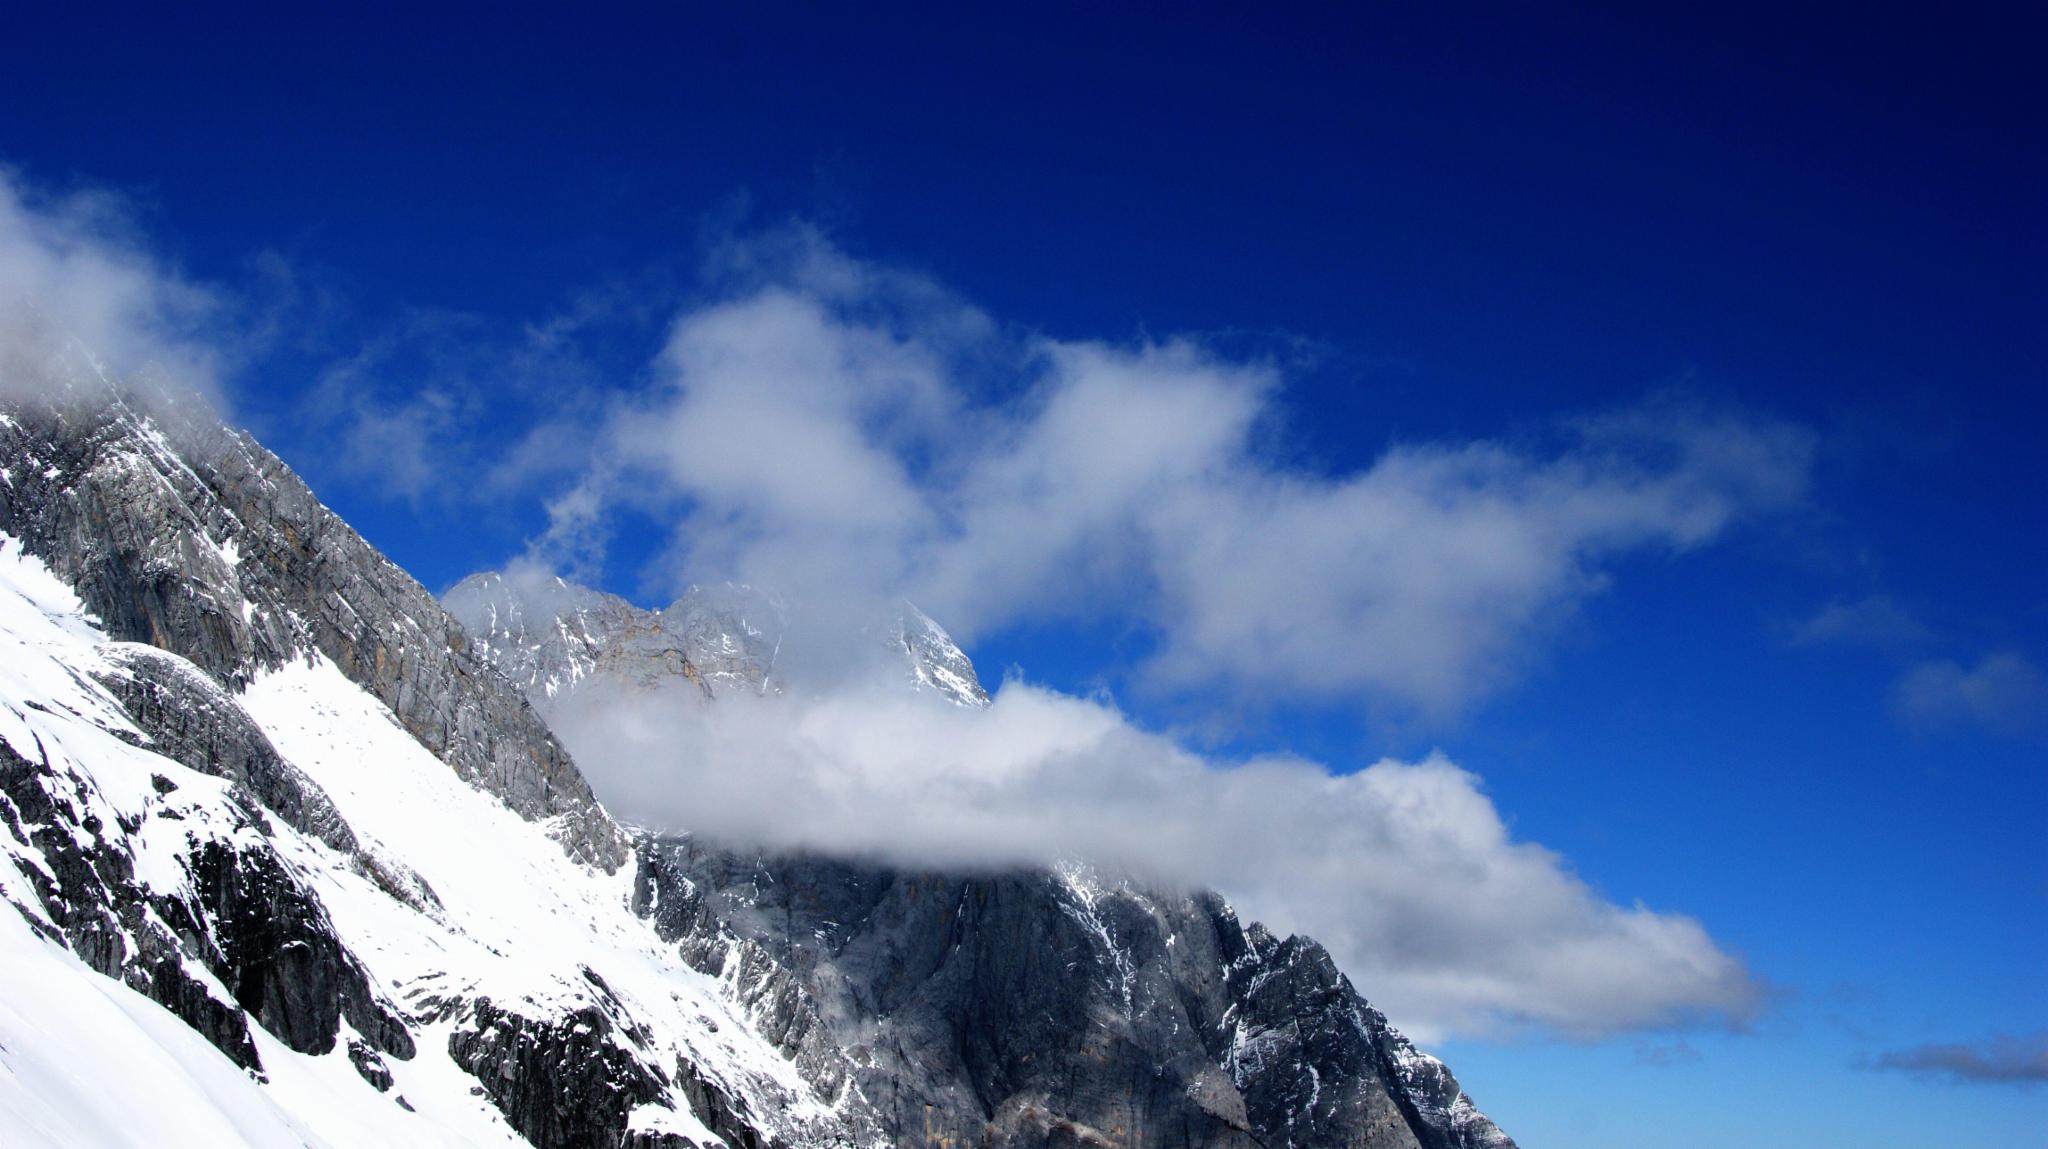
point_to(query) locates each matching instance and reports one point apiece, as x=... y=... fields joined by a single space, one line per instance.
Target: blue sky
x=438 y=242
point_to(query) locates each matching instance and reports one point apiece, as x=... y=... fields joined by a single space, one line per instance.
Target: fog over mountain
x=1405 y=869
x=822 y=430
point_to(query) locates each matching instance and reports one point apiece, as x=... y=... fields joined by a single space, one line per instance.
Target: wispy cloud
x=2003 y=1059
x=838 y=429
x=1663 y=1055
x=848 y=433
x=1874 y=621
x=2003 y=692
x=421 y=411
x=438 y=406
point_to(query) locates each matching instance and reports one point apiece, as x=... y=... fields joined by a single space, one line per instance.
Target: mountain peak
x=555 y=638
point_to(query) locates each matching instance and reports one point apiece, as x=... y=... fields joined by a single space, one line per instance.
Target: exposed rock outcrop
x=184 y=535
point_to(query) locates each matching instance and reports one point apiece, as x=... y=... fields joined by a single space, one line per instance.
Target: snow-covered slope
x=470 y=933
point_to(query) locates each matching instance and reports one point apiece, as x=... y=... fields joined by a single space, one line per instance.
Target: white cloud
x=82 y=302
x=845 y=433
x=1404 y=869
x=2004 y=692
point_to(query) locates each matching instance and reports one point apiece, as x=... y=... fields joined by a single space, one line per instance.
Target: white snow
x=85 y=1061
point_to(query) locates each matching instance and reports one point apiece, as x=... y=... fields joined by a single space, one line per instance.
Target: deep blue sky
x=1473 y=224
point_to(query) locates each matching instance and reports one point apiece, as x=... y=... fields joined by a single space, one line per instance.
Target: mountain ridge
x=260 y=787
x=555 y=638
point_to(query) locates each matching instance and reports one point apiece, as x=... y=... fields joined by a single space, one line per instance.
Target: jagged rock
x=87 y=889
x=168 y=843
x=243 y=918
x=278 y=955
x=551 y=637
x=563 y=1083
x=370 y=1066
x=733 y=633
x=1012 y=1010
x=936 y=662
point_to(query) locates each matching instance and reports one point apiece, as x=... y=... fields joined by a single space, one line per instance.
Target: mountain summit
x=291 y=860
x=556 y=640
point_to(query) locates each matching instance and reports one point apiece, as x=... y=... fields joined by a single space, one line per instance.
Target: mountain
x=294 y=859
x=555 y=639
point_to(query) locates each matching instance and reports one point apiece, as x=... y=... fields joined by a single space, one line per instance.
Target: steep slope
x=1052 y=1008
x=375 y=897
x=182 y=534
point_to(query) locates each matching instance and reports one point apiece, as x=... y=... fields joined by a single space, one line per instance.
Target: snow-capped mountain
x=556 y=639
x=290 y=860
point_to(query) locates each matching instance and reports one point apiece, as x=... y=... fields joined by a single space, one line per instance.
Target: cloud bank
x=847 y=433
x=1405 y=870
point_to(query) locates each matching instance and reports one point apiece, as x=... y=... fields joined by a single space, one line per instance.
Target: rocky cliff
x=182 y=534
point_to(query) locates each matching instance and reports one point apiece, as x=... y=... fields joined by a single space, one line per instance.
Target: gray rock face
x=733 y=633
x=1050 y=1007
x=569 y=1084
x=184 y=535
x=554 y=639
x=936 y=663
x=279 y=956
